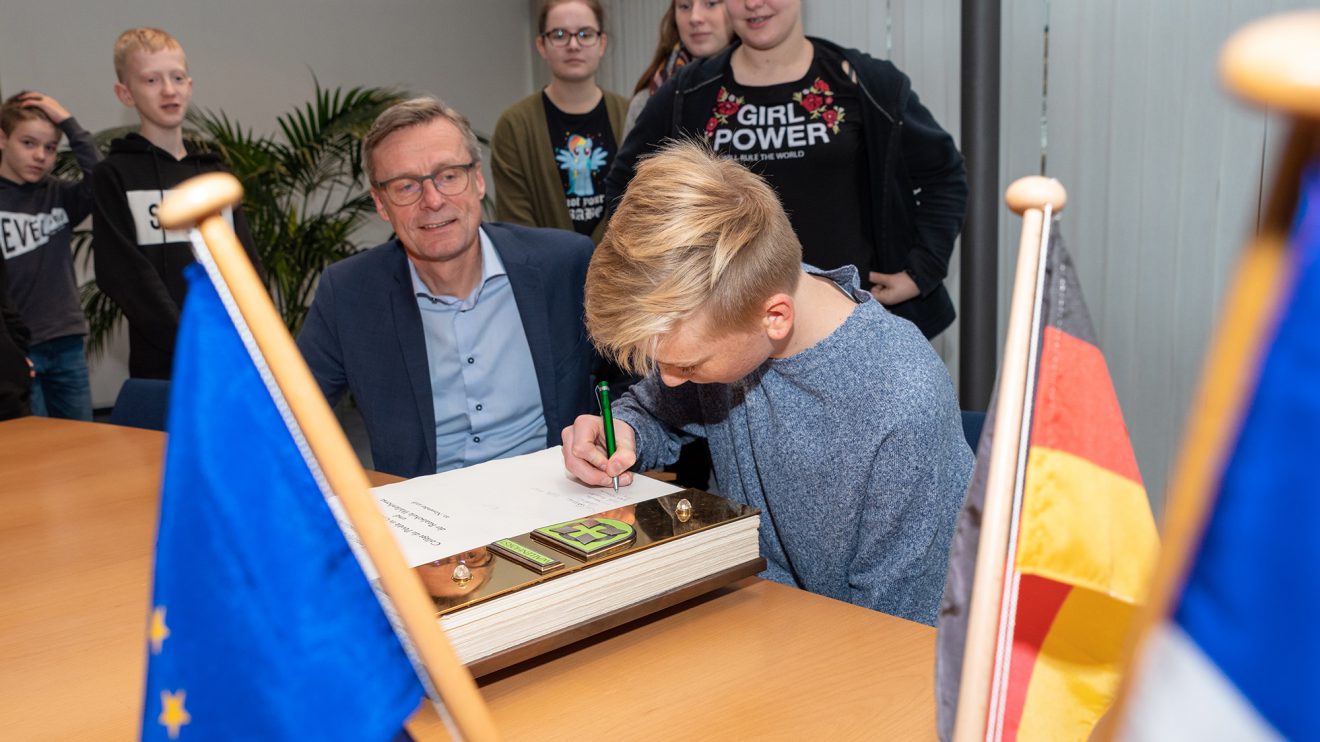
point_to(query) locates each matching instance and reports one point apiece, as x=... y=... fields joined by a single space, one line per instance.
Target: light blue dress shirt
x=483 y=384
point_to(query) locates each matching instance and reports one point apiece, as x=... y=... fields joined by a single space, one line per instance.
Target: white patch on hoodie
x=143 y=205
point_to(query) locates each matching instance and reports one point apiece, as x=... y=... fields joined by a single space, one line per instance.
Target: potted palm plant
x=303 y=191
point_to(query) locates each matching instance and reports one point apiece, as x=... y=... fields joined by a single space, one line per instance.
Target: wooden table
x=755 y=660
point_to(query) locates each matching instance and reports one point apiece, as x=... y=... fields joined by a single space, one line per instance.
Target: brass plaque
x=526 y=556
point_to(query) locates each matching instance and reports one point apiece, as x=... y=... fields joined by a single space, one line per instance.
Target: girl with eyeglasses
x=551 y=150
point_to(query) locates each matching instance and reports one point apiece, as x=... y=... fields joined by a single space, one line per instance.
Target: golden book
x=529 y=593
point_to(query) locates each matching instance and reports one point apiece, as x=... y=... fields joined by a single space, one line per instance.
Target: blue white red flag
x=1238 y=655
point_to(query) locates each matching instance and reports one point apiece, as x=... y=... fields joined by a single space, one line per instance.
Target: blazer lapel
x=412 y=343
x=529 y=295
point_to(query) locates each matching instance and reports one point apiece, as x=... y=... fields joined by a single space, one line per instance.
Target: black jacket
x=919 y=184
x=139 y=265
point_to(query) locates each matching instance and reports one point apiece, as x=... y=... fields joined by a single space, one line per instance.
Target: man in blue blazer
x=460 y=341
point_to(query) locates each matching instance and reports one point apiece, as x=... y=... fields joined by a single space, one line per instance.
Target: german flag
x=1085 y=542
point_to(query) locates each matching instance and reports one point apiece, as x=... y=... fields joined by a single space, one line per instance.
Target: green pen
x=603 y=397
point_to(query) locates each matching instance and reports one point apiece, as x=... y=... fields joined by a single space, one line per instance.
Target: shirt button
x=478 y=408
x=471 y=359
x=476 y=439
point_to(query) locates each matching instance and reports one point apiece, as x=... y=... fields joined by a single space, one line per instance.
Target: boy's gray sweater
x=853 y=449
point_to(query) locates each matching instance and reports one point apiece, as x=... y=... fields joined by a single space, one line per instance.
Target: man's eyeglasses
x=406 y=190
x=560 y=36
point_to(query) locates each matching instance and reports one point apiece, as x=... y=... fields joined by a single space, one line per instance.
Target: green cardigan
x=528 y=187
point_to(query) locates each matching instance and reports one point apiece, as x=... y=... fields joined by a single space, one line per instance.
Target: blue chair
x=142 y=403
x=972 y=422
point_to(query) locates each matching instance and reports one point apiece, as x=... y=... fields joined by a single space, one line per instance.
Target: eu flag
x=263 y=625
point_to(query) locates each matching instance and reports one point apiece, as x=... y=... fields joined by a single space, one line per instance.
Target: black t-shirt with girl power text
x=583 y=146
x=806 y=139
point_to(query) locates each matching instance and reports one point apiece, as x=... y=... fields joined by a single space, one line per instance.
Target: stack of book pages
x=518 y=612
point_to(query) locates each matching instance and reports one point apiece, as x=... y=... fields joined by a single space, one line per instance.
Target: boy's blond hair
x=144 y=39
x=693 y=234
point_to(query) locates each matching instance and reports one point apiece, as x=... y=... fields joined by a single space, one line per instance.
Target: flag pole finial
x=198 y=198
x=1273 y=62
x=1034 y=192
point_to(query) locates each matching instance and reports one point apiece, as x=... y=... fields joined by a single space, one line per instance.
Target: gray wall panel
x=1163 y=173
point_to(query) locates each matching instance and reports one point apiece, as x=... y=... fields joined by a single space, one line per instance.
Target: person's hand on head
x=48 y=105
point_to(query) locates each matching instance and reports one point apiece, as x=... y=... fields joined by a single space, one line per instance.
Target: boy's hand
x=51 y=107
x=584 y=451
x=893 y=288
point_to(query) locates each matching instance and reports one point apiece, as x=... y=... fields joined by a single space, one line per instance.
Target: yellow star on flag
x=158 y=632
x=174 y=714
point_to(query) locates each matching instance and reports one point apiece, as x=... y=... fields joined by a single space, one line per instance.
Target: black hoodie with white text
x=139 y=265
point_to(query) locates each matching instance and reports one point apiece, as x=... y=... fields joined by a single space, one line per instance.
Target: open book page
x=443 y=514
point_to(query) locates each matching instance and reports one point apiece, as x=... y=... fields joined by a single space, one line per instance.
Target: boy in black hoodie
x=37 y=217
x=138 y=264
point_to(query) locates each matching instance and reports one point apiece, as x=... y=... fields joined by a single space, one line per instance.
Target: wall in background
x=1164 y=172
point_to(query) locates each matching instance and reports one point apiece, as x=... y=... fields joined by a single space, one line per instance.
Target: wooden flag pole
x=1271 y=62
x=200 y=201
x=1028 y=197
